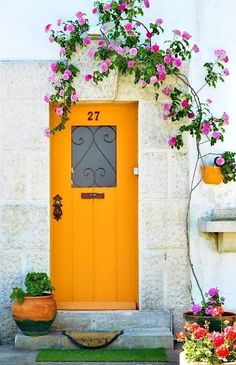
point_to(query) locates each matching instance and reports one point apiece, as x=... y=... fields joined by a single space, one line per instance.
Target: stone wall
x=24 y=180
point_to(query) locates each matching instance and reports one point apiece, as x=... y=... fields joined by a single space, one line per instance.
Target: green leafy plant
x=36 y=284
x=228 y=165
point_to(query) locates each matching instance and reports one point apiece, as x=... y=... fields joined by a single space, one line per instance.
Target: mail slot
x=92 y=195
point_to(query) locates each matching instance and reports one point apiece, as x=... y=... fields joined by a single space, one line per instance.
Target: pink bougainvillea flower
x=70 y=27
x=47 y=132
x=161 y=76
x=149 y=35
x=226 y=72
x=74 y=96
x=185 y=103
x=51 y=77
x=120 y=51
x=112 y=47
x=105 y=65
x=51 y=40
x=186 y=35
x=153 y=80
x=54 y=67
x=167 y=59
x=107 y=7
x=131 y=64
x=166 y=90
x=209 y=310
x=161 y=68
x=86 y=41
x=167 y=106
x=79 y=14
x=59 y=22
x=47 y=28
x=128 y=27
x=220 y=53
x=226 y=59
x=46 y=98
x=88 y=77
x=58 y=84
x=206 y=128
x=81 y=21
x=62 y=93
x=165 y=117
x=177 y=62
x=101 y=43
x=95 y=10
x=133 y=52
x=146 y=3
x=122 y=6
x=62 y=51
x=216 y=135
x=59 y=111
x=209 y=101
x=195 y=48
x=172 y=141
x=142 y=83
x=66 y=75
x=91 y=53
x=191 y=115
x=196 y=308
x=155 y=48
x=225 y=117
x=177 y=32
x=159 y=21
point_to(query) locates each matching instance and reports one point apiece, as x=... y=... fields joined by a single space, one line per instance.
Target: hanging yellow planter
x=212 y=174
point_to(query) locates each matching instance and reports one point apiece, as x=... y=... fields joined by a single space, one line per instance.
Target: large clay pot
x=212 y=174
x=36 y=315
x=215 y=324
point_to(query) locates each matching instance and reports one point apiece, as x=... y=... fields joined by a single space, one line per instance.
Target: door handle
x=57 y=211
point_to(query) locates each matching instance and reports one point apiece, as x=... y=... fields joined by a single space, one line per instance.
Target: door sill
x=97 y=305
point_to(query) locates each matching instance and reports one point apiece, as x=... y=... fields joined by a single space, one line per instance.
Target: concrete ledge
x=210 y=225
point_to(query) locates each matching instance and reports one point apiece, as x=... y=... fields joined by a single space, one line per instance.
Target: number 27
x=93 y=115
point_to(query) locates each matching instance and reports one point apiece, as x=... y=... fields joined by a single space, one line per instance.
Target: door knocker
x=57 y=212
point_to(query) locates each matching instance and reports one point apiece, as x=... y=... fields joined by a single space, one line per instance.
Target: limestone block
x=22 y=125
x=39 y=177
x=153 y=175
x=23 y=80
x=178 y=175
x=23 y=224
x=151 y=281
x=7 y=325
x=162 y=224
x=13 y=176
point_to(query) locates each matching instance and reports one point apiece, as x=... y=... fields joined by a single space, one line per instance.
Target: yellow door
x=94 y=244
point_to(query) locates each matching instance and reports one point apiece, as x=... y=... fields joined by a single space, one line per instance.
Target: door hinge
x=136 y=171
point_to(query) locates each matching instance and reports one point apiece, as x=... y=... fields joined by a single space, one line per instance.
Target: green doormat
x=105 y=354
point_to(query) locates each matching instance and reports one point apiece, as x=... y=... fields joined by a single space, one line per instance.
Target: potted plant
x=210 y=310
x=34 y=309
x=224 y=169
x=204 y=347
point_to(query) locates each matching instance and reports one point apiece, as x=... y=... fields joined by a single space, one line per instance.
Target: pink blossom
x=167 y=59
x=120 y=51
x=191 y=115
x=172 y=141
x=51 y=40
x=112 y=47
x=105 y=65
x=161 y=68
x=62 y=93
x=58 y=84
x=59 y=22
x=155 y=48
x=177 y=62
x=95 y=10
x=47 y=98
x=47 y=132
x=91 y=53
x=47 y=28
x=186 y=35
x=153 y=80
x=220 y=53
x=167 y=106
x=59 y=111
x=131 y=64
x=82 y=21
x=159 y=21
x=226 y=59
x=206 y=128
x=149 y=35
x=107 y=7
x=51 y=77
x=62 y=51
x=128 y=27
x=68 y=72
x=161 y=76
x=226 y=72
x=216 y=135
x=196 y=308
x=79 y=14
x=225 y=117
x=146 y=3
x=209 y=101
x=101 y=43
x=177 y=32
x=66 y=75
x=133 y=52
x=185 y=103
x=165 y=117
x=122 y=6
x=166 y=90
x=54 y=67
x=143 y=83
x=196 y=48
x=70 y=27
x=86 y=41
x=88 y=77
x=220 y=161
x=74 y=96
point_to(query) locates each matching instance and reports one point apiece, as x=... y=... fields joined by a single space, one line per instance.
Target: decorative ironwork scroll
x=94 y=156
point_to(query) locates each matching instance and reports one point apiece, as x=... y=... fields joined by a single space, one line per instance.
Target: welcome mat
x=92 y=340
x=100 y=355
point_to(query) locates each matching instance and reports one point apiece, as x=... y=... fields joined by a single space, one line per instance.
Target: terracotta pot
x=212 y=174
x=36 y=315
x=215 y=324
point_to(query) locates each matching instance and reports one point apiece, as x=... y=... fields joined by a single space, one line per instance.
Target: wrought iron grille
x=93 y=156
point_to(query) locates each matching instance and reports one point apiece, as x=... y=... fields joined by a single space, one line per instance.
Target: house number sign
x=93 y=116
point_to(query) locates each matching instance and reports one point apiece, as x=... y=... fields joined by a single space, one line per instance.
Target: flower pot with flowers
x=224 y=169
x=211 y=310
x=202 y=347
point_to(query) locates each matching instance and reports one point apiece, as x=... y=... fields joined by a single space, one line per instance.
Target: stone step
x=131 y=338
x=113 y=320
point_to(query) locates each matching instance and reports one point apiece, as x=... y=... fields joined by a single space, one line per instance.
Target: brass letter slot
x=92 y=195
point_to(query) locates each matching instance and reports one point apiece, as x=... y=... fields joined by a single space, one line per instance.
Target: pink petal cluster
x=54 y=67
x=167 y=59
x=101 y=43
x=172 y=141
x=47 y=28
x=80 y=16
x=70 y=27
x=191 y=115
x=91 y=53
x=206 y=128
x=155 y=48
x=133 y=52
x=51 y=40
x=195 y=48
x=67 y=74
x=59 y=111
x=47 y=98
x=159 y=21
x=62 y=93
x=47 y=132
x=131 y=64
x=62 y=51
x=177 y=32
x=185 y=103
x=81 y=21
x=105 y=65
x=221 y=54
x=161 y=68
x=59 y=22
x=120 y=51
x=112 y=47
x=209 y=101
x=95 y=10
x=88 y=77
x=177 y=62
x=149 y=35
x=166 y=90
x=128 y=27
x=216 y=135
x=74 y=96
x=226 y=71
x=86 y=41
x=186 y=35
x=146 y=3
x=225 y=117
x=220 y=161
x=122 y=6
x=142 y=83
x=153 y=80
x=167 y=106
x=107 y=7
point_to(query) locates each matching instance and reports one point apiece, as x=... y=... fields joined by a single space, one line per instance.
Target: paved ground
x=9 y=356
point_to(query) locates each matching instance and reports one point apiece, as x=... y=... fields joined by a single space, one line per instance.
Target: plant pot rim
x=224 y=314
x=38 y=296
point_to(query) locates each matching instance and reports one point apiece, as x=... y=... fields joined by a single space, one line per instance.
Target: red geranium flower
x=222 y=351
x=200 y=333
